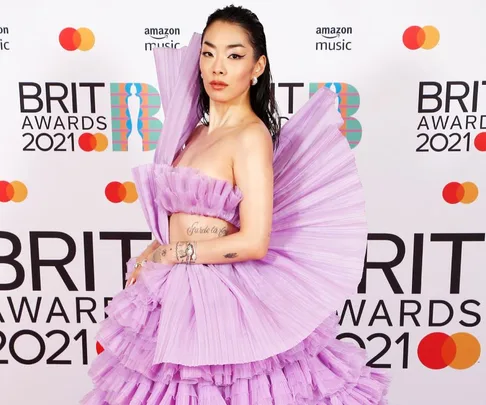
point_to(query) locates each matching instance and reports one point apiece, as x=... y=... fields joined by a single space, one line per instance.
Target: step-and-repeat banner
x=79 y=107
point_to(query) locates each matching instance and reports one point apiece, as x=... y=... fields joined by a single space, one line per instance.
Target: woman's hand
x=140 y=261
x=138 y=268
x=163 y=254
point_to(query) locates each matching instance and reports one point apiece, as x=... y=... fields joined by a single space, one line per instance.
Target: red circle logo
x=455 y=192
x=72 y=39
x=416 y=37
x=439 y=350
x=99 y=349
x=117 y=192
x=93 y=142
x=14 y=191
x=480 y=141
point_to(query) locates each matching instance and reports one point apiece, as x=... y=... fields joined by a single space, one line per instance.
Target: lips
x=217 y=85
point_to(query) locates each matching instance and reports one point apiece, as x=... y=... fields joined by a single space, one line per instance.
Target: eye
x=206 y=53
x=236 y=56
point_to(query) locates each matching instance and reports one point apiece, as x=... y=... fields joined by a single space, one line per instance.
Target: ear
x=260 y=66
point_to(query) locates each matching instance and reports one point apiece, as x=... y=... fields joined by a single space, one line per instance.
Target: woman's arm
x=148 y=251
x=253 y=169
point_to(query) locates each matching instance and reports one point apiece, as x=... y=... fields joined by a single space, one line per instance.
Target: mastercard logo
x=99 y=349
x=421 y=37
x=465 y=193
x=439 y=350
x=480 y=142
x=15 y=191
x=93 y=142
x=117 y=192
x=76 y=39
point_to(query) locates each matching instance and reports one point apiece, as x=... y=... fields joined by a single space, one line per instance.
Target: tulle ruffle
x=186 y=189
x=319 y=370
x=317 y=243
x=259 y=332
x=177 y=72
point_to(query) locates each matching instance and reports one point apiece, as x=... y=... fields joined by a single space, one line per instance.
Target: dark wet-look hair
x=262 y=98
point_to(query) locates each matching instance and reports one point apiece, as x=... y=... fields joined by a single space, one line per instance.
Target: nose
x=218 y=66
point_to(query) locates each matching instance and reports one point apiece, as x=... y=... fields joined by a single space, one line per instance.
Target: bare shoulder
x=255 y=137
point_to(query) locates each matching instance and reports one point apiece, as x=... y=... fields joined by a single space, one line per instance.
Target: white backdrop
x=67 y=227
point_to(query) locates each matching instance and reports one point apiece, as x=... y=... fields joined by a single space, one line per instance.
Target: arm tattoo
x=186 y=252
x=158 y=253
x=230 y=255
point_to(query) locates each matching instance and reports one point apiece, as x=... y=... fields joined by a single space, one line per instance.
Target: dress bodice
x=186 y=189
x=257 y=308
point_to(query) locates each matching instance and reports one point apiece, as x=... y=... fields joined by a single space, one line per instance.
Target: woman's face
x=227 y=56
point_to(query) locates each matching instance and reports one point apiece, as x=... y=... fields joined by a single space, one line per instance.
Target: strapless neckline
x=197 y=172
x=189 y=190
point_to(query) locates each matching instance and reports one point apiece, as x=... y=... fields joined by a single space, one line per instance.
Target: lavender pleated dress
x=258 y=332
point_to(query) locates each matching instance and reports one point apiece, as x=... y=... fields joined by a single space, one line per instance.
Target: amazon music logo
x=161 y=37
x=333 y=38
x=4 y=42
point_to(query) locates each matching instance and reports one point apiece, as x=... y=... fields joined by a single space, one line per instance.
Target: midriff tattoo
x=186 y=227
x=198 y=228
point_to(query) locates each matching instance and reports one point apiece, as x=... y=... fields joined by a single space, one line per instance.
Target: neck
x=230 y=113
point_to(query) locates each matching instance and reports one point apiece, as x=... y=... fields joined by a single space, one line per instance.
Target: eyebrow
x=228 y=46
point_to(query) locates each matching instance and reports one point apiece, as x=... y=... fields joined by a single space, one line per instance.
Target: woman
x=260 y=236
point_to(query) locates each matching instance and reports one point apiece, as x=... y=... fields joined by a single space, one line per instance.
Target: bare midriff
x=190 y=227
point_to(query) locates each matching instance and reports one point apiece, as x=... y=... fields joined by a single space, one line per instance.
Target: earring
x=254 y=81
x=201 y=75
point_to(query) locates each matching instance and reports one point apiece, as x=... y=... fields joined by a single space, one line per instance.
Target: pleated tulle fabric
x=188 y=190
x=177 y=74
x=314 y=262
x=258 y=332
x=318 y=370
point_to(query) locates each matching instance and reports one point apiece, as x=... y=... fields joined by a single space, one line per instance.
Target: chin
x=218 y=96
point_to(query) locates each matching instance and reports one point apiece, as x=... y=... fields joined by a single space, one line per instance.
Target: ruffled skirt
x=320 y=370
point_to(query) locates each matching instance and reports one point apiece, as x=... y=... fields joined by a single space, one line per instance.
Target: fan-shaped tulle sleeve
x=177 y=75
x=177 y=71
x=260 y=308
